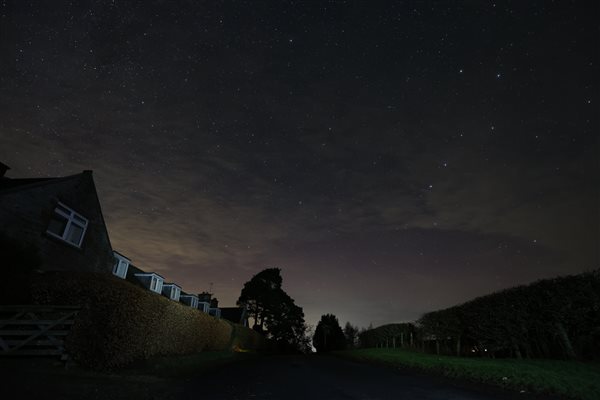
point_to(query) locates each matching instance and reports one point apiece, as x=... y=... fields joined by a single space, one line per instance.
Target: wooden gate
x=35 y=330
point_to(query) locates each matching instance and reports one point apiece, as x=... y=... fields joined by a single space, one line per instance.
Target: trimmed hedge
x=550 y=318
x=120 y=323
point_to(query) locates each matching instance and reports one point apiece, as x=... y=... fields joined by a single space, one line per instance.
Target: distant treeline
x=551 y=318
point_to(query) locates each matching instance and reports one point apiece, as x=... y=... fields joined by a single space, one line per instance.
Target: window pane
x=74 y=234
x=120 y=269
x=57 y=225
x=153 y=284
x=80 y=220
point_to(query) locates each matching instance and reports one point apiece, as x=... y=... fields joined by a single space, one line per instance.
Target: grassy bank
x=570 y=379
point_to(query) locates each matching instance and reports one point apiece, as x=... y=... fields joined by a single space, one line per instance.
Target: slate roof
x=131 y=271
x=14 y=184
x=8 y=183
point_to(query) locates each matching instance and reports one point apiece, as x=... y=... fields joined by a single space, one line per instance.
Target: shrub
x=244 y=338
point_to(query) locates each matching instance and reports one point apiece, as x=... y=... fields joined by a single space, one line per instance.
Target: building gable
x=28 y=207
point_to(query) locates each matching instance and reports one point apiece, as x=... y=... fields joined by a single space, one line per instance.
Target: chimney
x=3 y=169
x=205 y=297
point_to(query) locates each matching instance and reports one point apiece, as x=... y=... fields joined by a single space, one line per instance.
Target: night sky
x=391 y=158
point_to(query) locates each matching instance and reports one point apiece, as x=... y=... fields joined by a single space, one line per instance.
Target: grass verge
x=571 y=379
x=186 y=365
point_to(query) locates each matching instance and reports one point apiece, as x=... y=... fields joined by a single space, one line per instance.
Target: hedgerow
x=120 y=323
x=550 y=318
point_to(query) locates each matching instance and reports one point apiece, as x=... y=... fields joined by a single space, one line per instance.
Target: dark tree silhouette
x=260 y=294
x=351 y=334
x=328 y=334
x=273 y=310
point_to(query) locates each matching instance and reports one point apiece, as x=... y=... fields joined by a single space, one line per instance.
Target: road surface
x=262 y=378
x=322 y=377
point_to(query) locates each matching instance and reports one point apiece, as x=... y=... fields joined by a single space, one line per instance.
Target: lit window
x=67 y=225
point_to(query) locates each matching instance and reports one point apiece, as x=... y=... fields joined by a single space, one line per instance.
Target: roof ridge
x=34 y=182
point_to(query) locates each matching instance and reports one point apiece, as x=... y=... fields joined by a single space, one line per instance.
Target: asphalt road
x=261 y=378
x=321 y=377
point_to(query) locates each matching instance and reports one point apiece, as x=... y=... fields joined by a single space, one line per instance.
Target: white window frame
x=121 y=265
x=175 y=293
x=71 y=220
x=158 y=284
